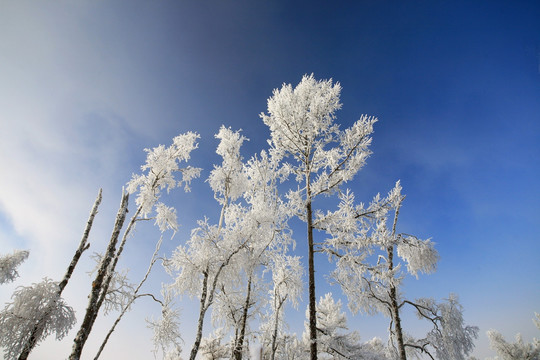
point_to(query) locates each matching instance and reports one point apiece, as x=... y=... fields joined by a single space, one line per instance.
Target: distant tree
x=162 y=163
x=213 y=348
x=9 y=264
x=301 y=122
x=517 y=350
x=334 y=339
x=370 y=274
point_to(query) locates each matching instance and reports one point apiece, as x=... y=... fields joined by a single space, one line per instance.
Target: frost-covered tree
x=236 y=304
x=202 y=263
x=322 y=157
x=9 y=264
x=449 y=338
x=158 y=174
x=372 y=261
x=210 y=263
x=518 y=349
x=36 y=312
x=261 y=220
x=287 y=275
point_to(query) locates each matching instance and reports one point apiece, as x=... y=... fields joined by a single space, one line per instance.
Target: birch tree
x=370 y=260
x=158 y=174
x=323 y=157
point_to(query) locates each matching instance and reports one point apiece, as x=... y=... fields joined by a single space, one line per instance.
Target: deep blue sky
x=455 y=85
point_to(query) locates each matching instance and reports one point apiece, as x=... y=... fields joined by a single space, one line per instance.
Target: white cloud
x=64 y=102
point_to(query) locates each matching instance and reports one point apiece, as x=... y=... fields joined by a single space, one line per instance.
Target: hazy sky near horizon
x=85 y=86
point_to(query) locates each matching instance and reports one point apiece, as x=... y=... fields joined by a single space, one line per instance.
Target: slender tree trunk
x=237 y=353
x=114 y=260
x=311 y=269
x=395 y=309
x=276 y=326
x=97 y=285
x=397 y=324
x=82 y=245
x=200 y=323
x=38 y=328
x=207 y=298
x=393 y=294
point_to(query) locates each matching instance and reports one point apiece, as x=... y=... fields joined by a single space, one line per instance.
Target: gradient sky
x=85 y=86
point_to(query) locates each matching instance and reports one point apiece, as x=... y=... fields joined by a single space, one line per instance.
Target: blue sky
x=85 y=86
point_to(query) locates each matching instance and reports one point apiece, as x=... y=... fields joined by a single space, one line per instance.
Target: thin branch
x=421 y=348
x=133 y=298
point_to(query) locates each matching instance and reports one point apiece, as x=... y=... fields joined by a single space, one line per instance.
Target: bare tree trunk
x=38 y=328
x=82 y=245
x=237 y=352
x=200 y=323
x=97 y=285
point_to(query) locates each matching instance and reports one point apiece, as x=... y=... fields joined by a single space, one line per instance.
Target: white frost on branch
x=212 y=347
x=228 y=179
x=166 y=329
x=9 y=264
x=158 y=171
x=166 y=217
x=419 y=255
